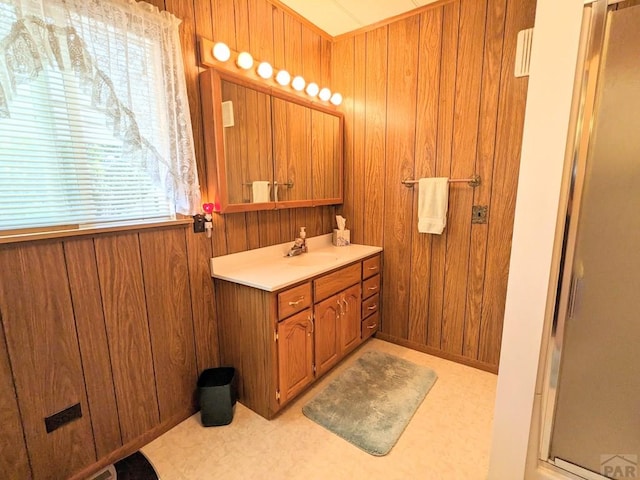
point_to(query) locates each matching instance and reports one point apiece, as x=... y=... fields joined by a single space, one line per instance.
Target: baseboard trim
x=438 y=353
x=134 y=445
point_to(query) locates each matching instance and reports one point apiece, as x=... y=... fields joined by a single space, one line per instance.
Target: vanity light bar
x=221 y=52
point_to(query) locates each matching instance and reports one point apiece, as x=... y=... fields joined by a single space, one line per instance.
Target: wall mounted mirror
x=266 y=149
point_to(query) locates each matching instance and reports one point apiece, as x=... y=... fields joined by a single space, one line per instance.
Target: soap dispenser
x=303 y=236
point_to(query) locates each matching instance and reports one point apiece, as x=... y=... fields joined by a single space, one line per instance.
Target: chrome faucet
x=299 y=245
x=297 y=248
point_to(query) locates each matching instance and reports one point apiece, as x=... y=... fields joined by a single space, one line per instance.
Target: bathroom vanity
x=284 y=322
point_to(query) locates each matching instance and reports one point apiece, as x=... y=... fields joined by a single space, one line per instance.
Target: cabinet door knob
x=294 y=304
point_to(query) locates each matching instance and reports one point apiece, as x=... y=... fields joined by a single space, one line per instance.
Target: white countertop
x=268 y=269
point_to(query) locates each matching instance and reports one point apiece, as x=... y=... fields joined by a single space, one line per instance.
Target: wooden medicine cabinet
x=257 y=133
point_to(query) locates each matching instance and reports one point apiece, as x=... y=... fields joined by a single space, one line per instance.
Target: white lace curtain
x=125 y=53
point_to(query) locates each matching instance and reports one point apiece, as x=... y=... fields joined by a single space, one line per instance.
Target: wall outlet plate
x=198 y=223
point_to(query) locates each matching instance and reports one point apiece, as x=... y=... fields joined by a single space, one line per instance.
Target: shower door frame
x=583 y=111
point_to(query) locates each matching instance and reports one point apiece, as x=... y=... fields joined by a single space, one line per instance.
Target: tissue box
x=341 y=238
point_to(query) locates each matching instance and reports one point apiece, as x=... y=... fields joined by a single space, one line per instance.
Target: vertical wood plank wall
x=123 y=323
x=434 y=95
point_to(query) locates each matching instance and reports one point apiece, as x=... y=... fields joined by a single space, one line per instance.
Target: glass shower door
x=597 y=416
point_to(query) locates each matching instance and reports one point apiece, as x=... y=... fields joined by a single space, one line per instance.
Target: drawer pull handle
x=373 y=268
x=371 y=327
x=372 y=307
x=372 y=288
x=346 y=305
x=295 y=304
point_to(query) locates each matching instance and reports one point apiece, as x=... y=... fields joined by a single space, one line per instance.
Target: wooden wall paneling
x=224 y=25
x=359 y=136
x=14 y=462
x=465 y=139
x=493 y=41
x=165 y=268
x=343 y=81
x=205 y=323
x=222 y=29
x=311 y=64
x=513 y=93
x=237 y=224
x=157 y=3
x=274 y=224
x=199 y=251
x=300 y=58
x=230 y=25
x=318 y=155
x=446 y=104
x=429 y=49
x=298 y=143
x=235 y=151
x=261 y=45
x=373 y=202
x=94 y=348
x=400 y=150
x=122 y=289
x=327 y=213
x=203 y=20
x=37 y=316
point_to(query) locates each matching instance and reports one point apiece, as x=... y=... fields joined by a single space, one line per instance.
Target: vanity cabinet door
x=327 y=332
x=295 y=355
x=350 y=319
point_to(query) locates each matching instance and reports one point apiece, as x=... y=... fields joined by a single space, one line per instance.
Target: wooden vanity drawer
x=294 y=300
x=371 y=266
x=370 y=305
x=370 y=325
x=371 y=286
x=326 y=286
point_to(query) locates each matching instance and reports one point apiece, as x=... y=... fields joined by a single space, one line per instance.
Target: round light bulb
x=325 y=94
x=221 y=52
x=312 y=89
x=283 y=78
x=265 y=70
x=336 y=99
x=244 y=60
x=298 y=83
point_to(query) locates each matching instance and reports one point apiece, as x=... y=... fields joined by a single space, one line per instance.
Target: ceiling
x=341 y=16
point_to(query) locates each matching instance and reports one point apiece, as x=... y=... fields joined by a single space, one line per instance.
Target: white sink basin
x=312 y=259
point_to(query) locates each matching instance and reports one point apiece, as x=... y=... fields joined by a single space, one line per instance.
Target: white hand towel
x=433 y=200
x=260 y=191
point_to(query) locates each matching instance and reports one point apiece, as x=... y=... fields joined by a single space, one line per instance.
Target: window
x=94 y=119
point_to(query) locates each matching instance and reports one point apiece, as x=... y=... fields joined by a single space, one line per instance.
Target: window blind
x=61 y=161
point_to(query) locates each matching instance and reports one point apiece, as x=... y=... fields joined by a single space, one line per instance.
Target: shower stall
x=591 y=418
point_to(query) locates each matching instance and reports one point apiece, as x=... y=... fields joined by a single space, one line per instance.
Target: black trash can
x=217 y=392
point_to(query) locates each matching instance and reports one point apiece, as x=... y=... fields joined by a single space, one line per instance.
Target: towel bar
x=473 y=182
x=289 y=184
